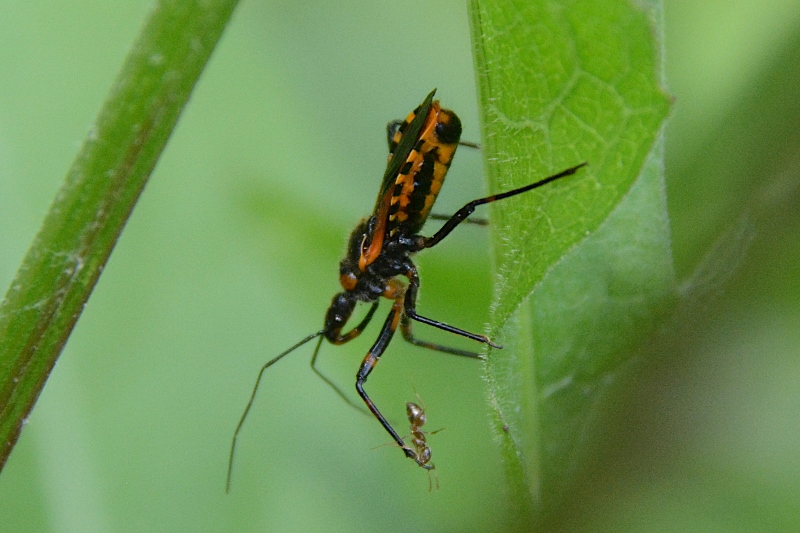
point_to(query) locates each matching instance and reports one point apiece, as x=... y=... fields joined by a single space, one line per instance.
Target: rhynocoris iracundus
x=379 y=252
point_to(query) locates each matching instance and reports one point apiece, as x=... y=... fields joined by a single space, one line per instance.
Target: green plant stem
x=67 y=256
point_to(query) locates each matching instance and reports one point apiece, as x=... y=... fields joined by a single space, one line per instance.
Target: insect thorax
x=371 y=283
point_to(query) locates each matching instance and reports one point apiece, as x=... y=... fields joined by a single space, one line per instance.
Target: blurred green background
x=231 y=256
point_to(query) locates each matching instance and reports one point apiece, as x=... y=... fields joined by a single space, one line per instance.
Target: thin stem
x=75 y=240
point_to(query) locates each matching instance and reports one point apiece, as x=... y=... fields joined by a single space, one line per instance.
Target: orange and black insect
x=379 y=251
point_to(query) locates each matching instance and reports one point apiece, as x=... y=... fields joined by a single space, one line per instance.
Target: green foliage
x=584 y=265
x=82 y=226
x=231 y=257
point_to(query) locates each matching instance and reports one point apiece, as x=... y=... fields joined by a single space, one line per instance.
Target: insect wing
x=404 y=147
x=400 y=154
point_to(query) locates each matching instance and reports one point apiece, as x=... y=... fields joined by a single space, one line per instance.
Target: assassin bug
x=379 y=251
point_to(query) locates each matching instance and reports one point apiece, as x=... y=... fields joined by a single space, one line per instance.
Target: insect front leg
x=338 y=314
x=369 y=362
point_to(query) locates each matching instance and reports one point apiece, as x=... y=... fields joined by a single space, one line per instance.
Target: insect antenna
x=253 y=397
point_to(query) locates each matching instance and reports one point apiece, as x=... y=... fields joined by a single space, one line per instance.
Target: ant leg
x=410 y=311
x=462 y=214
x=369 y=362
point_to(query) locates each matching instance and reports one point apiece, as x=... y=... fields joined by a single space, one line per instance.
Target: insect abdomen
x=421 y=177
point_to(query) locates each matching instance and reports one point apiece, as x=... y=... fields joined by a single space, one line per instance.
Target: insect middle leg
x=411 y=313
x=406 y=328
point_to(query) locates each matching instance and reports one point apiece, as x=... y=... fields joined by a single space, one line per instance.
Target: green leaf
x=76 y=238
x=584 y=265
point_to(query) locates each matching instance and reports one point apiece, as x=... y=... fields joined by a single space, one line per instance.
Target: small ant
x=422 y=452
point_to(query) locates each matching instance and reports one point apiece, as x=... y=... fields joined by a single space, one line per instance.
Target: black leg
x=410 y=312
x=369 y=362
x=471 y=220
x=469 y=144
x=341 y=339
x=408 y=335
x=464 y=212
